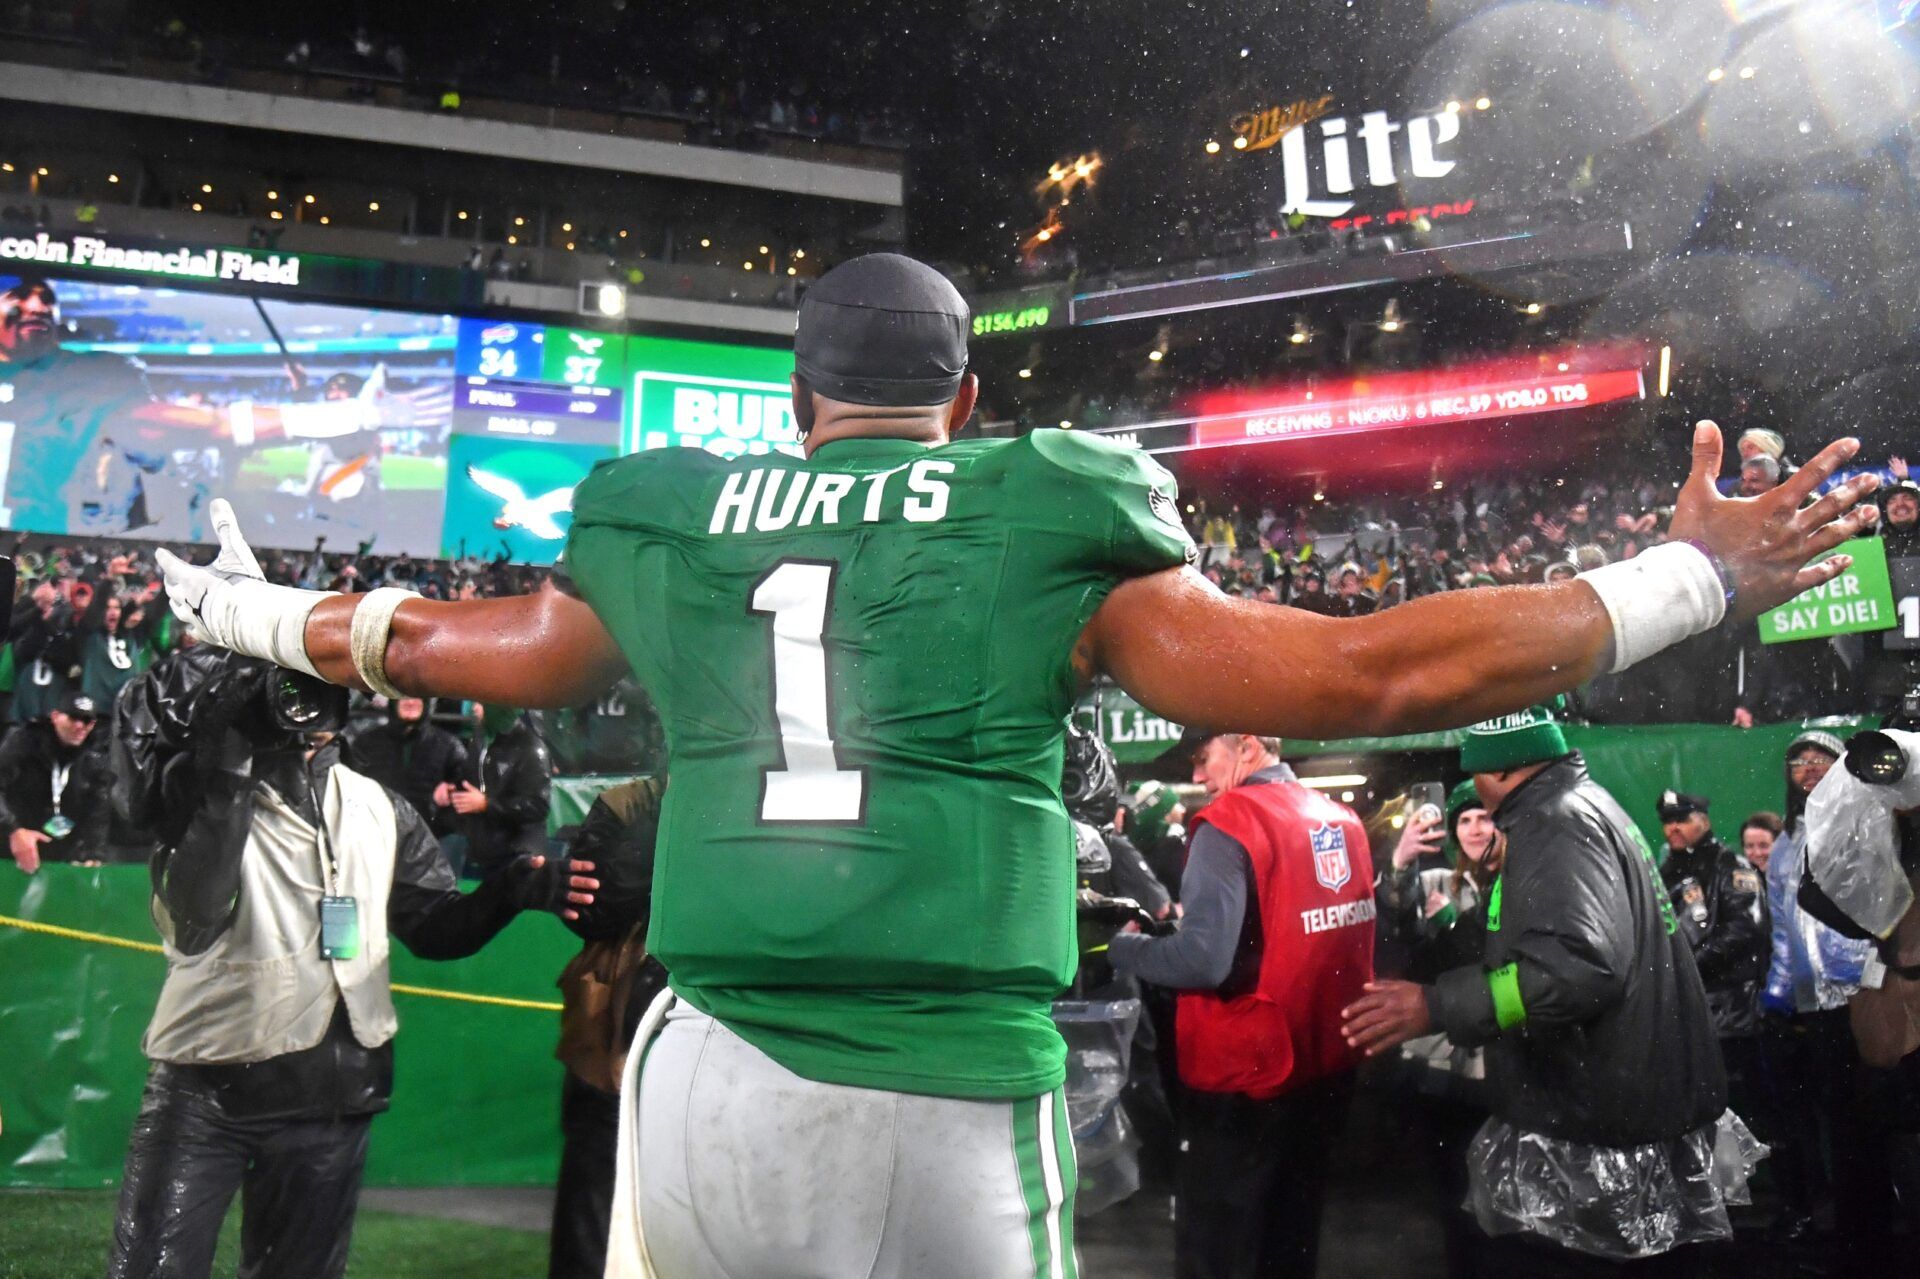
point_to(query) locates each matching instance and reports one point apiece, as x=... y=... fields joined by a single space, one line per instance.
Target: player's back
x=861 y=661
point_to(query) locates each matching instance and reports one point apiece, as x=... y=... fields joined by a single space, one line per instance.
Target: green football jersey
x=861 y=661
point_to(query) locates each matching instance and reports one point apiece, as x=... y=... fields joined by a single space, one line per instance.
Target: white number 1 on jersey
x=809 y=785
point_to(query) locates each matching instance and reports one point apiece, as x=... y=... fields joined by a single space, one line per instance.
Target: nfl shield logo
x=1330 y=864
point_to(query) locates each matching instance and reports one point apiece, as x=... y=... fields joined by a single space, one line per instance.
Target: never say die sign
x=1860 y=599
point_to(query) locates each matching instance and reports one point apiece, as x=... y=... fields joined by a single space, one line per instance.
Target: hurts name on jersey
x=768 y=499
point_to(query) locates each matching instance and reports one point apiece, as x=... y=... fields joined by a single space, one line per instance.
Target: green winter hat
x=1509 y=741
x=1463 y=797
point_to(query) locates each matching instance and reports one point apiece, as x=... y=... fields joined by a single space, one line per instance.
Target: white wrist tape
x=1658 y=598
x=367 y=641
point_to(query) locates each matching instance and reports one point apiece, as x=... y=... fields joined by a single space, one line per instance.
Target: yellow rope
x=149 y=948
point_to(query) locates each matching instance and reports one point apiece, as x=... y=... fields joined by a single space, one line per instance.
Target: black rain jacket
x=1613 y=1045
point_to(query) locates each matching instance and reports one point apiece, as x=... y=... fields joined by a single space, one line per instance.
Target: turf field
x=63 y=1234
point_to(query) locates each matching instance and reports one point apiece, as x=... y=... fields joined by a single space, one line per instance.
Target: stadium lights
x=1716 y=75
x=746 y=266
x=569 y=245
x=373 y=206
x=566 y=226
x=325 y=220
x=513 y=239
x=113 y=177
x=606 y=300
x=1156 y=355
x=519 y=221
x=196 y=206
x=793 y=270
x=462 y=215
x=1065 y=425
x=765 y=249
x=206 y=188
x=308 y=198
x=1335 y=781
x=275 y=195
x=1746 y=73
x=797 y=253
x=42 y=170
x=705 y=243
x=1390 y=321
x=623 y=235
x=275 y=215
x=1562 y=366
x=1213 y=146
x=1026 y=372
x=1045 y=233
x=6 y=168
x=1240 y=142
x=1666 y=370
x=1532 y=308
x=1482 y=104
x=1453 y=108
x=1438 y=484
x=1319 y=495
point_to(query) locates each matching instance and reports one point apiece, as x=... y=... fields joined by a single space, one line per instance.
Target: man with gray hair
x=1276 y=939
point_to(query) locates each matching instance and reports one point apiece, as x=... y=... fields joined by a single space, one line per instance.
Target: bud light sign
x=728 y=400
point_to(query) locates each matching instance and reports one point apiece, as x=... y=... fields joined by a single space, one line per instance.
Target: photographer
x=280 y=877
x=1813 y=1070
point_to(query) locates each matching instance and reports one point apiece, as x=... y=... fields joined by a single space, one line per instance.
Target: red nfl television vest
x=1313 y=880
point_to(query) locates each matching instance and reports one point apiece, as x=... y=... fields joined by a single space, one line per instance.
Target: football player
x=863 y=659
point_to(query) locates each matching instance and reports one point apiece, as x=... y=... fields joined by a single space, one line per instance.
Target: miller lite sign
x=1424 y=135
x=1331 y=865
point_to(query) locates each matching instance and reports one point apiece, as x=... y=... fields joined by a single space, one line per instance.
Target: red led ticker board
x=1342 y=411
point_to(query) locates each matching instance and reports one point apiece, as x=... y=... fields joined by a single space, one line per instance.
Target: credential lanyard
x=60 y=773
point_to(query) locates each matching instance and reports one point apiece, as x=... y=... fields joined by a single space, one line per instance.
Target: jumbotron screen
x=126 y=408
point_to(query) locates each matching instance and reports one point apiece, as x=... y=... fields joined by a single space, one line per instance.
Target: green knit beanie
x=1459 y=800
x=1509 y=741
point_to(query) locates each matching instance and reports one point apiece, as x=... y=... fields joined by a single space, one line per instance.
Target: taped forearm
x=1658 y=598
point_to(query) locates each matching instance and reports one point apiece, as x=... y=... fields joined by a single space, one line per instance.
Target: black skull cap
x=883 y=330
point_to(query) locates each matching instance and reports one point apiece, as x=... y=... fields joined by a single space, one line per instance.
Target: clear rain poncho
x=1853 y=842
x=1619 y=1203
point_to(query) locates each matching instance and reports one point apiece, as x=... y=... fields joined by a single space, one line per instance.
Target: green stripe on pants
x=1033 y=1190
x=1069 y=1182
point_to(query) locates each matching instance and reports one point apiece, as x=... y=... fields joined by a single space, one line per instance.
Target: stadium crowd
x=1369 y=556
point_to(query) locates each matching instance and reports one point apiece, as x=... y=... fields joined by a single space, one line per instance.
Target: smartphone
x=1422 y=794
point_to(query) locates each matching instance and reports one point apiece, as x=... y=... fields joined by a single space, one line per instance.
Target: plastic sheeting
x=1611 y=1202
x=1099 y=1037
x=1853 y=844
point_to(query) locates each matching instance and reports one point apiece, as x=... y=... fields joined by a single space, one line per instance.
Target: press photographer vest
x=262 y=989
x=1313 y=889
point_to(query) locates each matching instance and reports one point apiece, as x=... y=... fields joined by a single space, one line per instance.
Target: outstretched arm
x=546 y=649
x=1197 y=656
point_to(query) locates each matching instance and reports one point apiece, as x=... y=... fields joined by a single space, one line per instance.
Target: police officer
x=1721 y=906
